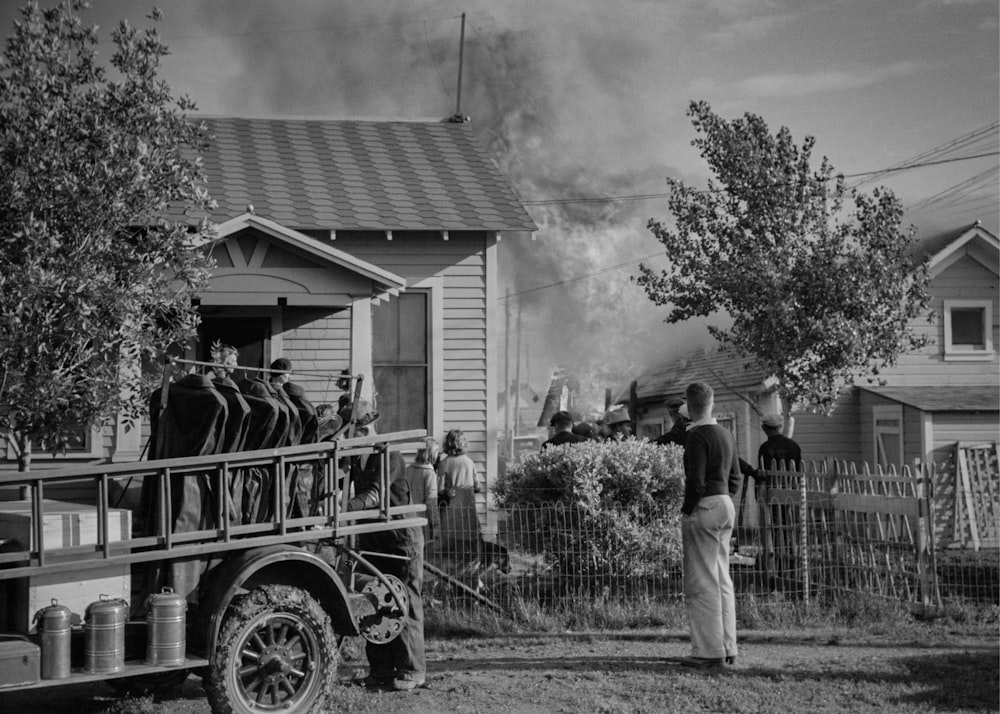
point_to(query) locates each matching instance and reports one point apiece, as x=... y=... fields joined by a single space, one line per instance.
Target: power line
x=582 y=277
x=646 y=196
x=341 y=29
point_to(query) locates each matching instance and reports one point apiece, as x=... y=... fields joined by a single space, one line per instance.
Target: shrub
x=617 y=507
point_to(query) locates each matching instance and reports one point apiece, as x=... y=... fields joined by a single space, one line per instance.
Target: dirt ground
x=636 y=672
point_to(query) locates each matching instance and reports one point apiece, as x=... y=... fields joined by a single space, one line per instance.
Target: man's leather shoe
x=704 y=662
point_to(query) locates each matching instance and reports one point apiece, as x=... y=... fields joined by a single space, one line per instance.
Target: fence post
x=926 y=562
x=834 y=520
x=804 y=534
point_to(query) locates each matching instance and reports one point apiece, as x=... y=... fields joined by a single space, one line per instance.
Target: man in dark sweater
x=711 y=479
x=779 y=451
x=562 y=425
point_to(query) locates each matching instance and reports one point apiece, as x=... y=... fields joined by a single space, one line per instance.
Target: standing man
x=679 y=421
x=618 y=422
x=778 y=451
x=399 y=664
x=562 y=426
x=711 y=479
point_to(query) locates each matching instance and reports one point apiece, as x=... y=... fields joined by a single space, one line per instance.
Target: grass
x=858 y=613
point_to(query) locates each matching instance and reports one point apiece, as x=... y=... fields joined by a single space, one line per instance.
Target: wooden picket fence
x=835 y=526
x=827 y=533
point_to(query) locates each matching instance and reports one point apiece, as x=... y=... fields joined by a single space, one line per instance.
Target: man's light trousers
x=708 y=589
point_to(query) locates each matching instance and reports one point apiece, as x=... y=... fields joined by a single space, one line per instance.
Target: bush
x=618 y=507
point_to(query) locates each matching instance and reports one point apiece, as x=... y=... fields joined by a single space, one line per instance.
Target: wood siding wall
x=966 y=279
x=837 y=436
x=461 y=262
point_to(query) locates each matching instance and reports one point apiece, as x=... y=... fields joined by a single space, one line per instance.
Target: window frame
x=651 y=427
x=433 y=288
x=954 y=352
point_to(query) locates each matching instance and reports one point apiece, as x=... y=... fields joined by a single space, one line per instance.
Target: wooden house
x=366 y=246
x=741 y=391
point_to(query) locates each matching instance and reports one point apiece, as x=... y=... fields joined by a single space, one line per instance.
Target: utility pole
x=517 y=376
x=508 y=440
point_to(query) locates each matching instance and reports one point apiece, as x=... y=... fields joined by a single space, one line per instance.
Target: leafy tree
x=818 y=295
x=94 y=279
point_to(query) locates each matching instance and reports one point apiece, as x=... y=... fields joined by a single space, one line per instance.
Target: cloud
x=749 y=29
x=783 y=85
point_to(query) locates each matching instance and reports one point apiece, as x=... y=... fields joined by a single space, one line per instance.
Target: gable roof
x=561 y=380
x=943 y=399
x=717 y=367
x=376 y=281
x=944 y=249
x=359 y=175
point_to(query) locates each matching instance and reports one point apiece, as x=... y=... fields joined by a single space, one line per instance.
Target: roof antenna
x=458 y=117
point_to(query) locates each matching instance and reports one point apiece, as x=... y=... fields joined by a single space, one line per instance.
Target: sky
x=586 y=99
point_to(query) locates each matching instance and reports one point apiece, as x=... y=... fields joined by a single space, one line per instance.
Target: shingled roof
x=359 y=175
x=943 y=399
x=719 y=369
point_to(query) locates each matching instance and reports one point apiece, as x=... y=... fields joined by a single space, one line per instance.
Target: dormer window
x=968 y=326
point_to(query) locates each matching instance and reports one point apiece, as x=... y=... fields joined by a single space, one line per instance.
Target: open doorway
x=250 y=335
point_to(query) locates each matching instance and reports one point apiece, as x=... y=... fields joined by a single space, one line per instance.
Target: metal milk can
x=55 y=624
x=165 y=628
x=104 y=636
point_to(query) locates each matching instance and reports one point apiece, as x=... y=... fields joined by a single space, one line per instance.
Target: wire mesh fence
x=830 y=531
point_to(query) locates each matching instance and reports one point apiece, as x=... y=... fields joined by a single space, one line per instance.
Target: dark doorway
x=249 y=335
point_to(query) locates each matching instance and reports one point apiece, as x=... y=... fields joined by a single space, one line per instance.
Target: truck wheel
x=276 y=652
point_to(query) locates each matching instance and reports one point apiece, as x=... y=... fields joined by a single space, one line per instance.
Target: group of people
x=713 y=475
x=616 y=424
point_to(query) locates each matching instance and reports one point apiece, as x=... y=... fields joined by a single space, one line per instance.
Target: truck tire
x=276 y=652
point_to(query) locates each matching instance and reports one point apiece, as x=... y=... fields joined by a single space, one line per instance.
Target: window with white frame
x=968 y=326
x=887 y=421
x=401 y=361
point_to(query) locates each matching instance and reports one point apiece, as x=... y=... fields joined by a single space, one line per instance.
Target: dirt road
x=637 y=672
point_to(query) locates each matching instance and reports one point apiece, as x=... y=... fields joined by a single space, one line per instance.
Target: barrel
x=55 y=625
x=104 y=636
x=166 y=626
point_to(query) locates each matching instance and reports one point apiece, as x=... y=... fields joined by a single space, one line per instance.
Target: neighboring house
x=944 y=393
x=368 y=246
x=741 y=393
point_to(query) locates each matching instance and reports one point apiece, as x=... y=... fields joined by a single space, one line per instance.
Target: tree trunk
x=789 y=421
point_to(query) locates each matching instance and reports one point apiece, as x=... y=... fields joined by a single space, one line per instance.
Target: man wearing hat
x=399 y=664
x=679 y=423
x=619 y=423
x=562 y=425
x=778 y=451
